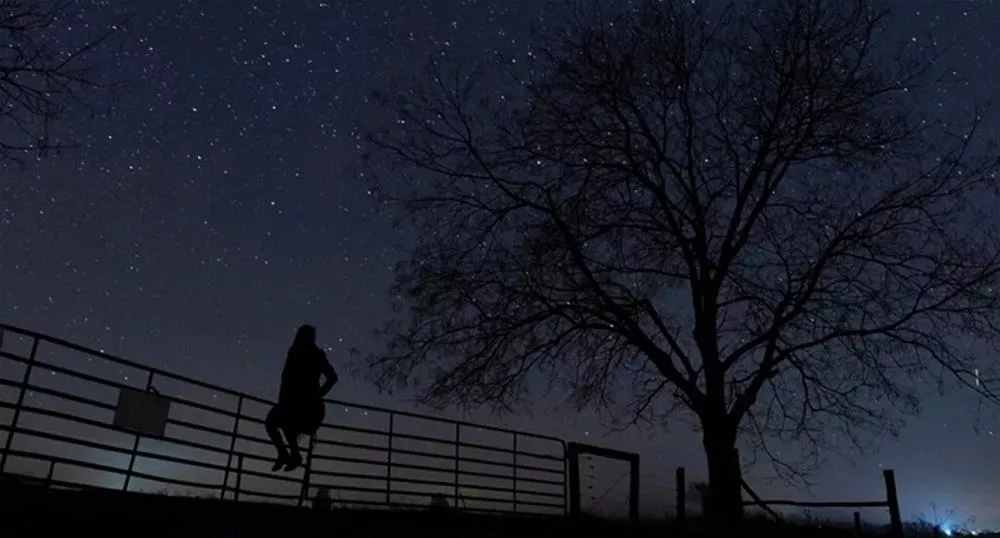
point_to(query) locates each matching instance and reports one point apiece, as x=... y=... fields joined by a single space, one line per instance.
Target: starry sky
x=214 y=205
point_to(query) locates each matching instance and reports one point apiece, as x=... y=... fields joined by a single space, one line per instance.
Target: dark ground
x=32 y=510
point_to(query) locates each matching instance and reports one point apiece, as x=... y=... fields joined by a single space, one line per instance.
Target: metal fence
x=58 y=399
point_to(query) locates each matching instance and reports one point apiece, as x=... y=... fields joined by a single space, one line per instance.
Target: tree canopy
x=42 y=75
x=740 y=211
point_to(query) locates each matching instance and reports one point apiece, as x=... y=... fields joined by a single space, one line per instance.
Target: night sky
x=216 y=206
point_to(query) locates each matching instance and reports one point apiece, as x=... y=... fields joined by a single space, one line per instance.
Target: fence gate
x=579 y=473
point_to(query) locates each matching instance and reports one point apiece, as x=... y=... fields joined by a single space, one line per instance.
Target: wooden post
x=565 y=485
x=892 y=501
x=573 y=456
x=681 y=487
x=857 y=523
x=633 y=490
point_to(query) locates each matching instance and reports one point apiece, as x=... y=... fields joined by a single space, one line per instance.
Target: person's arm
x=329 y=374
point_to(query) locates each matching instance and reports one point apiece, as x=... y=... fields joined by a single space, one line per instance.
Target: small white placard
x=142 y=412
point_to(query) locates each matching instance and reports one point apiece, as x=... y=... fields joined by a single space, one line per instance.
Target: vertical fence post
x=681 y=487
x=135 y=443
x=573 y=458
x=633 y=489
x=20 y=403
x=232 y=445
x=239 y=477
x=566 y=474
x=892 y=501
x=388 y=460
x=857 y=524
x=458 y=442
x=306 y=474
x=514 y=493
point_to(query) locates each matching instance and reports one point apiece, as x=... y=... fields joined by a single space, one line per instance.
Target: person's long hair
x=305 y=338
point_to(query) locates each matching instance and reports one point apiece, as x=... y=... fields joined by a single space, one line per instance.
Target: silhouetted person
x=300 y=409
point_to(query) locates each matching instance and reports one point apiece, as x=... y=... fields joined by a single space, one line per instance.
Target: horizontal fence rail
x=891 y=501
x=57 y=401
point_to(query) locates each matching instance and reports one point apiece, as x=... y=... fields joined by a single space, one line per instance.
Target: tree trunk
x=725 y=500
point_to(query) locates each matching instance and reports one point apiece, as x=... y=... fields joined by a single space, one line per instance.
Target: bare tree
x=740 y=212
x=41 y=73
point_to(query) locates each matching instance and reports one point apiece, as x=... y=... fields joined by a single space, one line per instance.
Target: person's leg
x=272 y=425
x=294 y=458
x=308 y=416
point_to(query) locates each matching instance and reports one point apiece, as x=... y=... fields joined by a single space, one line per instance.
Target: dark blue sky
x=215 y=207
